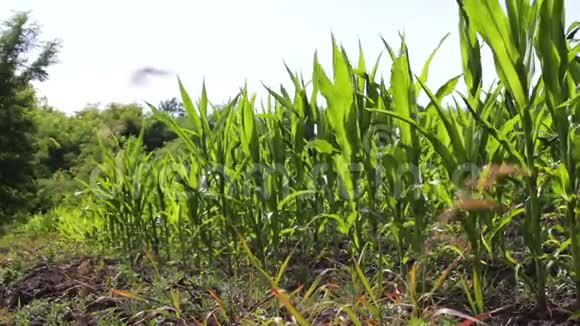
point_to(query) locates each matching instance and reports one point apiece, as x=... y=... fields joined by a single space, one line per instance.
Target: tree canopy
x=18 y=38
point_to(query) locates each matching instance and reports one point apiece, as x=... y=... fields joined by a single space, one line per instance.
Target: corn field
x=348 y=161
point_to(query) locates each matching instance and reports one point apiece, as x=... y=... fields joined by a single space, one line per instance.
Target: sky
x=228 y=43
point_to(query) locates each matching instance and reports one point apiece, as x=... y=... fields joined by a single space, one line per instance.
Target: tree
x=156 y=134
x=173 y=107
x=17 y=97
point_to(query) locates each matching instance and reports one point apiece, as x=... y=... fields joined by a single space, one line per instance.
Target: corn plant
x=350 y=161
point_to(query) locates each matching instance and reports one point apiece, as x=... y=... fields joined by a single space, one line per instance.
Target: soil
x=90 y=278
x=510 y=307
x=83 y=278
x=532 y=318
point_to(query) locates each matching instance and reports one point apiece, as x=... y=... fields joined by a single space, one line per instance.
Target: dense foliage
x=16 y=99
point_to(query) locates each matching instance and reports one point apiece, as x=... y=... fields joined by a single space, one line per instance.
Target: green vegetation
x=16 y=97
x=342 y=196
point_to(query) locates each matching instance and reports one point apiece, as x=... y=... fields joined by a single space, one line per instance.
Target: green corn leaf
x=553 y=52
x=203 y=106
x=322 y=146
x=249 y=132
x=183 y=134
x=389 y=49
x=361 y=68
x=373 y=74
x=343 y=227
x=286 y=102
x=340 y=99
x=470 y=55
x=342 y=167
x=189 y=108
x=450 y=125
x=506 y=143
x=293 y=195
x=441 y=149
x=425 y=72
x=489 y=20
x=403 y=95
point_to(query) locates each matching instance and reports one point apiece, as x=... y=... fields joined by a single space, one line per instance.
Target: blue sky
x=227 y=42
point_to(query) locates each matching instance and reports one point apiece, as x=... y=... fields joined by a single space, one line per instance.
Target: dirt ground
x=91 y=279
